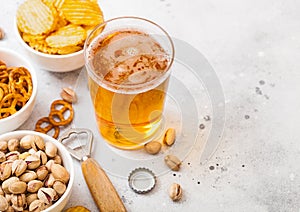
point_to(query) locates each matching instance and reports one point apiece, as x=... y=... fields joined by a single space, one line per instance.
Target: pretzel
x=45 y=121
x=15 y=89
x=58 y=114
x=20 y=81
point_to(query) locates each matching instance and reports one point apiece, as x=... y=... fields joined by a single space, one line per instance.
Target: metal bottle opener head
x=79 y=142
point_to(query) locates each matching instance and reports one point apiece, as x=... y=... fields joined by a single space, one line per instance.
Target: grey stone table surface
x=254 y=48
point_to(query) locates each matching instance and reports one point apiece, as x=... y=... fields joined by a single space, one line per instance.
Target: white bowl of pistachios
x=36 y=174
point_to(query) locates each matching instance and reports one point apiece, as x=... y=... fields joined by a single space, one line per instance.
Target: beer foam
x=128 y=58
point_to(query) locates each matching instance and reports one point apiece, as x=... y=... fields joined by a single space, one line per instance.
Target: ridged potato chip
x=34 y=17
x=57 y=26
x=82 y=12
x=70 y=35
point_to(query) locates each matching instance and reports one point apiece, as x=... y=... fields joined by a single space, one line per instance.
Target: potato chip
x=82 y=12
x=31 y=38
x=68 y=49
x=34 y=17
x=70 y=35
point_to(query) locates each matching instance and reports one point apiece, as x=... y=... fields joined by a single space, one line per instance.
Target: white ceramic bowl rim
x=62 y=150
x=34 y=84
x=41 y=53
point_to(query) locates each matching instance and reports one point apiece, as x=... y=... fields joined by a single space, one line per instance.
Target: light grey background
x=254 y=47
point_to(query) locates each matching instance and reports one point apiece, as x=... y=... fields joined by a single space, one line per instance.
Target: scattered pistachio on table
x=169 y=137
x=152 y=147
x=68 y=95
x=173 y=162
x=175 y=192
x=28 y=181
x=2 y=34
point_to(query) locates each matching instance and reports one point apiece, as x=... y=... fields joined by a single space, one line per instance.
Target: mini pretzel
x=20 y=81
x=13 y=101
x=47 y=128
x=3 y=76
x=59 y=113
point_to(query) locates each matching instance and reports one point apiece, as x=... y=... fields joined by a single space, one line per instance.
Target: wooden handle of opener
x=101 y=188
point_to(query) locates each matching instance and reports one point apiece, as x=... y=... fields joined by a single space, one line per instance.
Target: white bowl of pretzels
x=18 y=90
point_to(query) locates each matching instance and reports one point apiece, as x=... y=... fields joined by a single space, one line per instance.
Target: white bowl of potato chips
x=18 y=90
x=54 y=31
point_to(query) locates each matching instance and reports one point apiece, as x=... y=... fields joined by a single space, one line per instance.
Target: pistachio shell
x=19 y=167
x=37 y=143
x=47 y=195
x=28 y=176
x=26 y=141
x=42 y=156
x=37 y=205
x=175 y=192
x=7 y=183
x=60 y=173
x=18 y=187
x=42 y=172
x=3 y=146
x=170 y=135
x=19 y=200
x=12 y=155
x=49 y=180
x=13 y=144
x=3 y=203
x=34 y=185
x=50 y=149
x=173 y=162
x=31 y=197
x=153 y=147
x=32 y=162
x=59 y=187
x=57 y=159
x=24 y=155
x=49 y=164
x=5 y=169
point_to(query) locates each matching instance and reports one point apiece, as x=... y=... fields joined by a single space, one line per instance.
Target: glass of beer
x=128 y=62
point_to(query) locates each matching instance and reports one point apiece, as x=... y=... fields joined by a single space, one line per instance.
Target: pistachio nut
x=42 y=156
x=24 y=155
x=37 y=205
x=13 y=144
x=2 y=156
x=50 y=149
x=60 y=173
x=34 y=185
x=6 y=183
x=14 y=155
x=28 y=176
x=175 y=192
x=169 y=137
x=18 y=187
x=68 y=95
x=31 y=197
x=19 y=200
x=26 y=141
x=5 y=169
x=37 y=143
x=59 y=187
x=49 y=181
x=47 y=195
x=42 y=172
x=32 y=162
x=3 y=203
x=3 y=146
x=152 y=147
x=57 y=159
x=19 y=167
x=173 y=162
x=49 y=164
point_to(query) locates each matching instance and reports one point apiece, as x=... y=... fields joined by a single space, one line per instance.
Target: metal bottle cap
x=141 y=180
